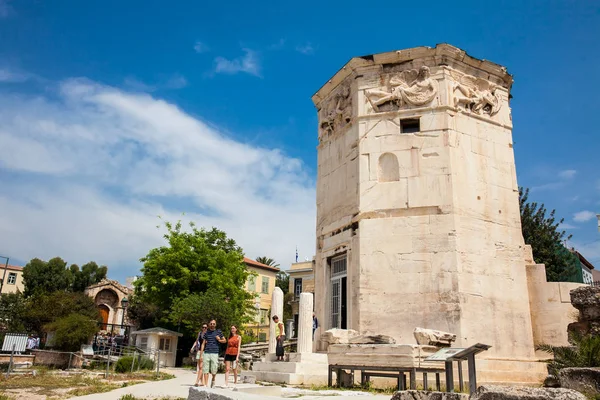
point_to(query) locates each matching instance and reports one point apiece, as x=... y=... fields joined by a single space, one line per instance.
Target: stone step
x=290 y=367
x=288 y=378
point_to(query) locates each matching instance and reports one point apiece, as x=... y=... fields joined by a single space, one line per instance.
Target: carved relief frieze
x=402 y=90
x=475 y=95
x=336 y=113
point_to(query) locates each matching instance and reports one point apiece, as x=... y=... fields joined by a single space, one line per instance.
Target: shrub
x=585 y=352
x=124 y=364
x=72 y=331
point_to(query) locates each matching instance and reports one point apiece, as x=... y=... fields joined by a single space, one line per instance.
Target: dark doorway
x=344 y=318
x=295 y=325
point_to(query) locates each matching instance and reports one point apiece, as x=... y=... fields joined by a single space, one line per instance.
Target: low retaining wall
x=57 y=359
x=17 y=358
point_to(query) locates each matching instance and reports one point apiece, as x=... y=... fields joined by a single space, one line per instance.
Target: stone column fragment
x=276 y=309
x=305 y=323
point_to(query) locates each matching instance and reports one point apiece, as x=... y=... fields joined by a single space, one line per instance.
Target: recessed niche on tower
x=389 y=169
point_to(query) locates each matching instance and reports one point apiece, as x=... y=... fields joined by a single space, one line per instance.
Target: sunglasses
x=204 y=327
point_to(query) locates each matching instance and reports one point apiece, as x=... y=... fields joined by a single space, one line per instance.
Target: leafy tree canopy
x=44 y=308
x=89 y=274
x=45 y=277
x=12 y=312
x=541 y=231
x=282 y=281
x=50 y=276
x=267 y=261
x=198 y=308
x=192 y=263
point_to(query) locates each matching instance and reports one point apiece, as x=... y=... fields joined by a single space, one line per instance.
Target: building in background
x=302 y=279
x=586 y=270
x=111 y=298
x=261 y=282
x=13 y=279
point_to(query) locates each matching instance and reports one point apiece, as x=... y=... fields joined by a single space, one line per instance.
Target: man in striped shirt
x=210 y=348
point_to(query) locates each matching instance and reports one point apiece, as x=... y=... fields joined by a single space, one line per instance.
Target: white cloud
x=248 y=63
x=10 y=76
x=280 y=44
x=175 y=81
x=306 y=49
x=200 y=47
x=85 y=172
x=583 y=216
x=568 y=226
x=567 y=174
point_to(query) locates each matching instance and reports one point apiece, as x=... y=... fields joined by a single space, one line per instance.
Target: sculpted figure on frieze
x=413 y=87
x=337 y=112
x=475 y=95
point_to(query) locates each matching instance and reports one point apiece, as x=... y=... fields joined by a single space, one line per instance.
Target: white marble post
x=276 y=309
x=305 y=323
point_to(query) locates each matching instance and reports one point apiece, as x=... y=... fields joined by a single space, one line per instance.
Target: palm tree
x=585 y=352
x=267 y=261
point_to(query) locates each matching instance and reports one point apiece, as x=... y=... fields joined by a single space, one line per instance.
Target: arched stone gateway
x=108 y=296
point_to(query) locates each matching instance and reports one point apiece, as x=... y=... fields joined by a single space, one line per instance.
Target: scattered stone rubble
x=433 y=338
x=586 y=300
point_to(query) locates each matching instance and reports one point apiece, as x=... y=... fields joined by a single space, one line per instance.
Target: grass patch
x=53 y=384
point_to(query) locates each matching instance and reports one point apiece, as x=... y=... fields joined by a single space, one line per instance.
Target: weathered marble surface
x=524 y=393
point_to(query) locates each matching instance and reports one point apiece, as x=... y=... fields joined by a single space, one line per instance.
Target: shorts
x=230 y=358
x=210 y=363
x=198 y=356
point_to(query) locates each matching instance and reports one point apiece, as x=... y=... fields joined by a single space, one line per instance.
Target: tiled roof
x=11 y=267
x=160 y=331
x=256 y=264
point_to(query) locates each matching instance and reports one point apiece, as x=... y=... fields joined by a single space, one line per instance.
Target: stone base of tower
x=305 y=369
x=513 y=372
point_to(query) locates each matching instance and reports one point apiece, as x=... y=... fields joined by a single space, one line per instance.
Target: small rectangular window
x=297 y=287
x=12 y=278
x=252 y=283
x=165 y=344
x=410 y=125
x=144 y=342
x=265 y=285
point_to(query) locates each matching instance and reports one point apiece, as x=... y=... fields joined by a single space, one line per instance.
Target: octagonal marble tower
x=418 y=220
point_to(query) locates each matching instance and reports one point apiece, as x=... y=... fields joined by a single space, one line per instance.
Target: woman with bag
x=280 y=333
x=232 y=354
x=197 y=348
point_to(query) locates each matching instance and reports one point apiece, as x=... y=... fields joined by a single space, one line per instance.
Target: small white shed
x=158 y=339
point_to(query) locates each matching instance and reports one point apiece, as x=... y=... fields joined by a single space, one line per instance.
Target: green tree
x=541 y=231
x=12 y=311
x=198 y=308
x=282 y=281
x=143 y=313
x=89 y=274
x=45 y=277
x=267 y=261
x=191 y=263
x=44 y=308
x=71 y=331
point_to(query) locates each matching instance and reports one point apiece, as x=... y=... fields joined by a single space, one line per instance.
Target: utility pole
x=4 y=276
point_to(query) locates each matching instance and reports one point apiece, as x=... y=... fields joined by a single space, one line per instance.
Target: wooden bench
x=386 y=372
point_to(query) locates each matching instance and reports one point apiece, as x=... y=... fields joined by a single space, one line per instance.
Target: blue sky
x=113 y=112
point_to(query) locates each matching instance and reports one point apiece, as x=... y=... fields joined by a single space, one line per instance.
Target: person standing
x=197 y=347
x=232 y=354
x=210 y=349
x=315 y=325
x=280 y=333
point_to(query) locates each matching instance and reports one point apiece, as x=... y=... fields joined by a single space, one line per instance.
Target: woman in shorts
x=232 y=354
x=197 y=348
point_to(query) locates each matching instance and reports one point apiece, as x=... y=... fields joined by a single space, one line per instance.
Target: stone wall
x=551 y=309
x=56 y=359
